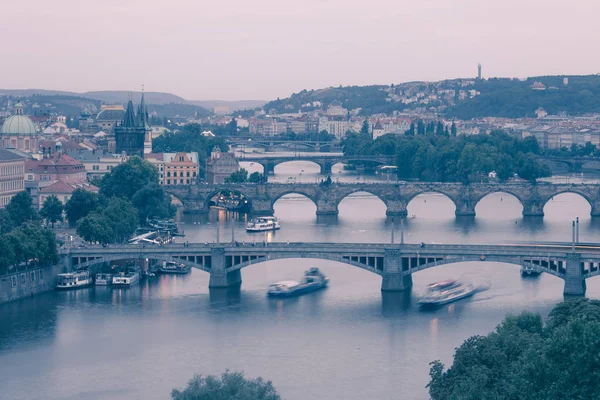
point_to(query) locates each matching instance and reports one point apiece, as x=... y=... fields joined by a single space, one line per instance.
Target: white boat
x=313 y=280
x=440 y=293
x=171 y=267
x=263 y=224
x=103 y=279
x=127 y=278
x=74 y=280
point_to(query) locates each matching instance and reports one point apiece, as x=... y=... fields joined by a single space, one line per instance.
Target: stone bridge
x=396 y=196
x=271 y=143
x=575 y=164
x=326 y=162
x=395 y=263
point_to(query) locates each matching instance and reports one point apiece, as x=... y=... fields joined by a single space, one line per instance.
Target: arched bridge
x=325 y=161
x=274 y=143
x=395 y=263
x=396 y=196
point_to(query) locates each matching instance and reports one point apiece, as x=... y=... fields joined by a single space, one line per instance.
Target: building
x=59 y=175
x=108 y=117
x=97 y=163
x=134 y=135
x=220 y=166
x=19 y=132
x=175 y=168
x=479 y=71
x=378 y=130
x=12 y=167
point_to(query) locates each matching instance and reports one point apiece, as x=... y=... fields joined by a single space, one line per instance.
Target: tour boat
x=440 y=293
x=74 y=280
x=263 y=224
x=171 y=267
x=127 y=278
x=163 y=225
x=103 y=279
x=528 y=270
x=313 y=280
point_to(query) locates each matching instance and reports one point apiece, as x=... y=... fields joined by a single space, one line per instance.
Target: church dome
x=18 y=124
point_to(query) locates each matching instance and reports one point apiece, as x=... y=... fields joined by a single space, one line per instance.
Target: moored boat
x=126 y=278
x=103 y=279
x=263 y=224
x=171 y=267
x=313 y=280
x=528 y=270
x=444 y=292
x=74 y=280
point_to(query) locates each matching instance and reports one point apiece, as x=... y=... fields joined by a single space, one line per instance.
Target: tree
x=453 y=129
x=52 y=210
x=152 y=201
x=95 y=228
x=126 y=179
x=230 y=385
x=6 y=223
x=80 y=205
x=122 y=217
x=523 y=359
x=21 y=209
x=365 y=127
x=257 y=177
x=239 y=176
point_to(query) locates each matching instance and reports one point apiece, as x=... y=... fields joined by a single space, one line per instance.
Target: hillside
x=234 y=105
x=457 y=98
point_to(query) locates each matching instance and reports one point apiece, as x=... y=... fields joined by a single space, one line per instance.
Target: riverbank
x=27 y=282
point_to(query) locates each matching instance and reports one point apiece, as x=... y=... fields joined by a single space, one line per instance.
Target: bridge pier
x=595 y=209
x=327 y=207
x=261 y=207
x=326 y=168
x=393 y=280
x=464 y=208
x=219 y=277
x=396 y=208
x=269 y=168
x=533 y=208
x=574 y=280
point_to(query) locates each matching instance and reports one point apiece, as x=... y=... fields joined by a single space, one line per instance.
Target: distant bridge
x=272 y=143
x=576 y=163
x=395 y=263
x=396 y=196
x=324 y=161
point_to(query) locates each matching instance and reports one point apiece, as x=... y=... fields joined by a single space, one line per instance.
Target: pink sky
x=263 y=49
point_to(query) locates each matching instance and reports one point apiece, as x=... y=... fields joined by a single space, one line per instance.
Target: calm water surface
x=347 y=342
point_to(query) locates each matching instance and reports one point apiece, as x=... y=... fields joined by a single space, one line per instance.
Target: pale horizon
x=268 y=49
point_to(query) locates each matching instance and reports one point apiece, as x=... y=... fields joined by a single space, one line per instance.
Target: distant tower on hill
x=479 y=71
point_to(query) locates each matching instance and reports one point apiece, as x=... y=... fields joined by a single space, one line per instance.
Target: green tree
x=453 y=129
x=126 y=179
x=230 y=385
x=257 y=177
x=20 y=208
x=239 y=176
x=7 y=253
x=122 y=217
x=80 y=205
x=152 y=201
x=52 y=210
x=365 y=127
x=525 y=360
x=95 y=228
x=6 y=223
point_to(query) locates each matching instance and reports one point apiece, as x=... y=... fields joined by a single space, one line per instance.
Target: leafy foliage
x=21 y=209
x=126 y=179
x=114 y=223
x=230 y=385
x=152 y=201
x=443 y=158
x=80 y=205
x=523 y=360
x=52 y=210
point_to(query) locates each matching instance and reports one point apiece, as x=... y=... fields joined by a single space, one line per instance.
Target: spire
x=129 y=120
x=143 y=112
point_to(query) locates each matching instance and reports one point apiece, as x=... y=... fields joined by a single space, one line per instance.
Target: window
x=181 y=181
x=168 y=181
x=30 y=177
x=23 y=277
x=13 y=281
x=41 y=274
x=168 y=174
x=188 y=174
x=32 y=276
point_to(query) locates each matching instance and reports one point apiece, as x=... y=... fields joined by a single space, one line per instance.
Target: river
x=347 y=342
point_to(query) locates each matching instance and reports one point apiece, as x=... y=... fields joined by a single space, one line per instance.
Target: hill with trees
x=457 y=98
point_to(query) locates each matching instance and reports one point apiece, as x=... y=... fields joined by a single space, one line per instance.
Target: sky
x=264 y=49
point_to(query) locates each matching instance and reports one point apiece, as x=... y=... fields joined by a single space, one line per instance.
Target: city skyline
x=267 y=49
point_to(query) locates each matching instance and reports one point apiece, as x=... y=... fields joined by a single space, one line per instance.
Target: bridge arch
x=283 y=193
x=508 y=192
x=558 y=271
x=282 y=162
x=123 y=257
x=375 y=266
x=366 y=190
x=580 y=193
x=449 y=196
x=213 y=193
